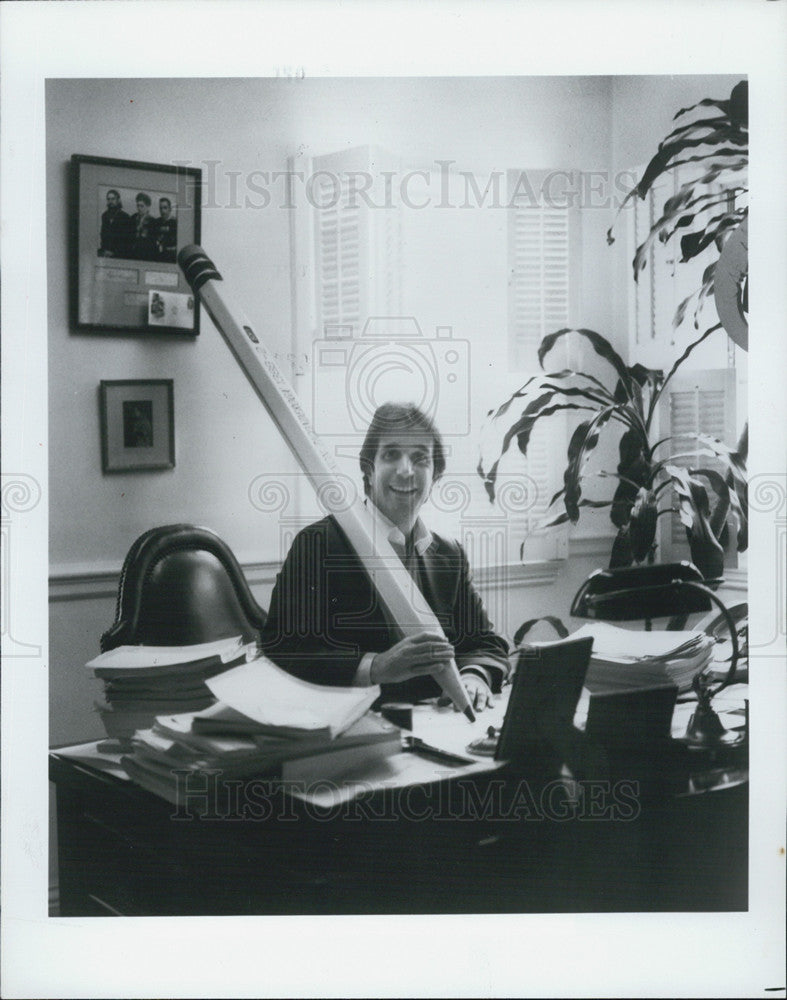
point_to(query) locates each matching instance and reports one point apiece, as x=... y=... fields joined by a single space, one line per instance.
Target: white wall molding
x=75 y=582
x=736 y=581
x=529 y=574
x=82 y=582
x=586 y=546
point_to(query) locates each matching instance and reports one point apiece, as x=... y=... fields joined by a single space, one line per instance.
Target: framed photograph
x=129 y=220
x=137 y=425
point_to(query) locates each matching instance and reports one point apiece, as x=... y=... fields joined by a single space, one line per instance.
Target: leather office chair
x=179 y=585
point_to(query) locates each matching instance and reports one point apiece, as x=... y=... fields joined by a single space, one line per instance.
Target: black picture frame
x=124 y=275
x=137 y=425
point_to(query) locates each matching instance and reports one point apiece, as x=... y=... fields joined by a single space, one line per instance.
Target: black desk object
x=121 y=852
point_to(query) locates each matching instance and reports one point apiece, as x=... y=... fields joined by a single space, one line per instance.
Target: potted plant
x=709 y=208
x=705 y=498
x=706 y=211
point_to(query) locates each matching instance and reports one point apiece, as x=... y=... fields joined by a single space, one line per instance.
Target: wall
x=223 y=436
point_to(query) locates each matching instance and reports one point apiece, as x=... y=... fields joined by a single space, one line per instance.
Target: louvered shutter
x=539 y=268
x=653 y=297
x=356 y=243
x=700 y=402
x=543 y=263
x=341 y=247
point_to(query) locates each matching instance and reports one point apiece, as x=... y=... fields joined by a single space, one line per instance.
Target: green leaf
x=562 y=517
x=739 y=104
x=723 y=503
x=692 y=498
x=634 y=471
x=582 y=443
x=568 y=375
x=521 y=429
x=714 y=155
x=661 y=162
x=692 y=244
x=731 y=122
x=599 y=344
x=651 y=376
x=705 y=103
x=588 y=394
x=523 y=437
x=657 y=395
x=694 y=511
x=571 y=488
x=621 y=554
x=698 y=123
x=642 y=524
x=735 y=465
x=501 y=410
x=660 y=229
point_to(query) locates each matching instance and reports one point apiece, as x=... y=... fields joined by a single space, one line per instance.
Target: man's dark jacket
x=325 y=613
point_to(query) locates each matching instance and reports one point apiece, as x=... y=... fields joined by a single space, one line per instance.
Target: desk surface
x=450 y=731
x=470 y=838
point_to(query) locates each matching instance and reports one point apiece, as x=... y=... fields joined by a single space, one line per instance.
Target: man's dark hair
x=144 y=198
x=114 y=192
x=395 y=418
x=162 y=200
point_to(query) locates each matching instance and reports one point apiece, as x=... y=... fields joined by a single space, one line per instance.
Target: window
x=544 y=262
x=696 y=402
x=450 y=275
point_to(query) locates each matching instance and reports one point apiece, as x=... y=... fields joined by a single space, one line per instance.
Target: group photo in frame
x=137 y=425
x=128 y=222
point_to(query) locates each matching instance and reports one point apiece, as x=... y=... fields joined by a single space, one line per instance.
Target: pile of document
x=623 y=659
x=265 y=722
x=141 y=682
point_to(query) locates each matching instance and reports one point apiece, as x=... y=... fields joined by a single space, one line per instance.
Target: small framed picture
x=129 y=220
x=137 y=425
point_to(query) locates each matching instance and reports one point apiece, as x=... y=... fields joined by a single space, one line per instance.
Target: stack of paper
x=267 y=722
x=623 y=658
x=141 y=682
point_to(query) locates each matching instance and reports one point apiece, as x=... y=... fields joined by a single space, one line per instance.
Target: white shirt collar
x=422 y=536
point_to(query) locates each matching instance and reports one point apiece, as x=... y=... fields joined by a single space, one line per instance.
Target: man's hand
x=413 y=656
x=478 y=691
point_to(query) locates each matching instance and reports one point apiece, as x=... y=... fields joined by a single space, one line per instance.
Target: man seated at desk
x=326 y=623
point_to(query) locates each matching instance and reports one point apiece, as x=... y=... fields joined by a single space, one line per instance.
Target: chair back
x=181 y=585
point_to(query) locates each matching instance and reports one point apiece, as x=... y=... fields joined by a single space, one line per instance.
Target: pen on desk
x=416 y=745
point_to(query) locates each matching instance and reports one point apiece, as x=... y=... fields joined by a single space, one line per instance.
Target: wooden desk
x=506 y=840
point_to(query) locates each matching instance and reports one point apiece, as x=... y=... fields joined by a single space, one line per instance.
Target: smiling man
x=326 y=623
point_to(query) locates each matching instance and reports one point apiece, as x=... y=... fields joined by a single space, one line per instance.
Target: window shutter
x=543 y=264
x=341 y=247
x=356 y=241
x=700 y=402
x=540 y=278
x=653 y=295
